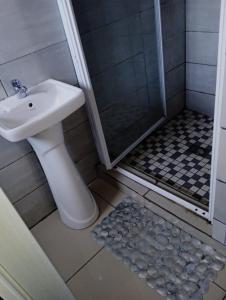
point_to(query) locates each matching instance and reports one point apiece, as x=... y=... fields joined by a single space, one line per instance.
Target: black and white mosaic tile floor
x=179 y=155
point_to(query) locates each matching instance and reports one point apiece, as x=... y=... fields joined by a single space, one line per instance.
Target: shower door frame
x=78 y=57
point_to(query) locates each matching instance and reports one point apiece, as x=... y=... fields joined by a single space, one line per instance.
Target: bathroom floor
x=92 y=272
x=179 y=155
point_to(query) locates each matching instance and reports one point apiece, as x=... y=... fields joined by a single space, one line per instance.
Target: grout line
x=77 y=126
x=138 y=12
x=220 y=180
x=92 y=76
x=85 y=264
x=108 y=177
x=34 y=52
x=137 y=90
x=177 y=94
x=102 y=198
x=30 y=192
x=13 y=162
x=200 y=92
x=201 y=64
x=127 y=186
x=220 y=221
x=42 y=219
x=176 y=67
x=196 y=31
x=220 y=287
x=7 y=95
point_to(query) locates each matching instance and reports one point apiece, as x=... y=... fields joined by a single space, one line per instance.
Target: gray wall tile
x=221 y=165
x=173 y=18
x=203 y=103
x=28 y=26
x=173 y=24
x=11 y=152
x=146 y=4
x=201 y=78
x=220 y=202
x=75 y=119
x=202 y=48
x=52 y=62
x=112 y=44
x=175 y=105
x=148 y=21
x=87 y=167
x=81 y=133
x=203 y=15
x=99 y=13
x=36 y=205
x=175 y=81
x=2 y=92
x=219 y=231
x=119 y=81
x=202 y=26
x=21 y=177
x=174 y=51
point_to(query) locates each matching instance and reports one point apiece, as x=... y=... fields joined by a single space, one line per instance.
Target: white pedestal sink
x=37 y=118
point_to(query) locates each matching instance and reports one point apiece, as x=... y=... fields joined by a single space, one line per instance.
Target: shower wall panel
x=173 y=27
x=120 y=44
x=202 y=28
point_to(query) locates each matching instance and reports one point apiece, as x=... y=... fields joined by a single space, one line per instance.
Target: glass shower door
x=123 y=49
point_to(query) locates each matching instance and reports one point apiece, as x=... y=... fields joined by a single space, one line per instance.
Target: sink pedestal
x=75 y=203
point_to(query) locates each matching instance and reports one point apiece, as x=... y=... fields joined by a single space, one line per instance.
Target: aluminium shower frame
x=79 y=60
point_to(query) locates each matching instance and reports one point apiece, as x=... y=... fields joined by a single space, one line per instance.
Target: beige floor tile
x=116 y=182
x=215 y=293
x=221 y=279
x=106 y=278
x=107 y=191
x=138 y=173
x=180 y=211
x=133 y=185
x=67 y=249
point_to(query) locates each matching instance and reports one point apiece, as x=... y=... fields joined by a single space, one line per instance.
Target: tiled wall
x=120 y=46
x=173 y=27
x=33 y=48
x=219 y=224
x=202 y=28
x=119 y=42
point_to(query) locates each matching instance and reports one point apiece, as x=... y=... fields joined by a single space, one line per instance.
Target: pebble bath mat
x=173 y=262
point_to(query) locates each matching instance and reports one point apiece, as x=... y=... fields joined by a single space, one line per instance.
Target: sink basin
x=37 y=118
x=46 y=104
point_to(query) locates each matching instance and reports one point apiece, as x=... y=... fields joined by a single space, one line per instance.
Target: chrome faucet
x=19 y=88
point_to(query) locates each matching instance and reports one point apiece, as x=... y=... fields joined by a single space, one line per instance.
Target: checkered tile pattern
x=179 y=154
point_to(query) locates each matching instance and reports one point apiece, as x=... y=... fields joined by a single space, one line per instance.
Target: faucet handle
x=16 y=84
x=19 y=88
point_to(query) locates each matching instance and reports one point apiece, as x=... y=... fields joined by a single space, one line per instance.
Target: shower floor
x=178 y=155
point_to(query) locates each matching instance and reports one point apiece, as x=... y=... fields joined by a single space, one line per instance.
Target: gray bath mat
x=170 y=260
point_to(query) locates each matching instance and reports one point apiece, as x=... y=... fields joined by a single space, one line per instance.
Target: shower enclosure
x=122 y=42
x=141 y=63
